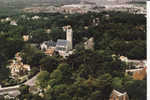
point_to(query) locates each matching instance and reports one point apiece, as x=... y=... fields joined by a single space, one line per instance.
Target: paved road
x=13 y=90
x=31 y=82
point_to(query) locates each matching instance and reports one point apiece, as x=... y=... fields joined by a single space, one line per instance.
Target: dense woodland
x=87 y=74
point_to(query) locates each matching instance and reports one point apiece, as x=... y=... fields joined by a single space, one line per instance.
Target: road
x=31 y=82
x=14 y=90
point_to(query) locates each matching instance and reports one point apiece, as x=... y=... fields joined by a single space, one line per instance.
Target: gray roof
x=61 y=42
x=50 y=43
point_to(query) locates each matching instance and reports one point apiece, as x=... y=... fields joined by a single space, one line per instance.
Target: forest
x=86 y=74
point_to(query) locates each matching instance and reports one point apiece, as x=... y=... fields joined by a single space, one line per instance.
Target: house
x=8 y=19
x=47 y=45
x=96 y=21
x=140 y=75
x=48 y=30
x=35 y=17
x=25 y=37
x=12 y=95
x=116 y=95
x=13 y=22
x=76 y=8
x=17 y=67
x=138 y=63
x=124 y=59
x=89 y=44
x=131 y=62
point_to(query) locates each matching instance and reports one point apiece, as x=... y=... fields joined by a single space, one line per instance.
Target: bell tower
x=69 y=36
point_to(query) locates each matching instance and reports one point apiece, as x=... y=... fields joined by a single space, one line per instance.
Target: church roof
x=61 y=42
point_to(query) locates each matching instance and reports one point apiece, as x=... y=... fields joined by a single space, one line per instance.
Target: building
x=116 y=95
x=69 y=37
x=35 y=17
x=89 y=44
x=140 y=74
x=13 y=22
x=131 y=62
x=25 y=37
x=50 y=51
x=47 y=45
x=77 y=8
x=17 y=67
x=124 y=59
x=65 y=45
x=62 y=45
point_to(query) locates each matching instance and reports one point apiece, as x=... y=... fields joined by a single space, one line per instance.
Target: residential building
x=25 y=37
x=116 y=95
x=140 y=75
x=17 y=67
x=124 y=59
x=77 y=8
x=36 y=17
x=89 y=44
x=13 y=22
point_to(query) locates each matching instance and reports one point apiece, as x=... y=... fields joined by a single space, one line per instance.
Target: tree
x=137 y=90
x=26 y=95
x=31 y=55
x=39 y=36
x=24 y=89
x=117 y=83
x=42 y=79
x=49 y=63
x=57 y=33
x=137 y=53
x=95 y=95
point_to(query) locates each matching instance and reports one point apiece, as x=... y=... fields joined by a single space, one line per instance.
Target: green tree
x=31 y=55
x=42 y=79
x=38 y=36
x=136 y=89
x=49 y=63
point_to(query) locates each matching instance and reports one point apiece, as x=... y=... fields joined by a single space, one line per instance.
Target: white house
x=13 y=23
x=35 y=17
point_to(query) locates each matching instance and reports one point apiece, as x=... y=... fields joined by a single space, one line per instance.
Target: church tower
x=69 y=36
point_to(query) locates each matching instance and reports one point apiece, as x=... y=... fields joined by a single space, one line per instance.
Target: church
x=64 y=46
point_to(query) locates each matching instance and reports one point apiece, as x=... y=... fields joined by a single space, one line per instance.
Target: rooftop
x=118 y=93
x=50 y=43
x=61 y=42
